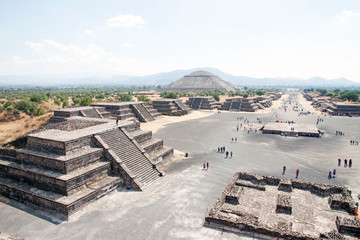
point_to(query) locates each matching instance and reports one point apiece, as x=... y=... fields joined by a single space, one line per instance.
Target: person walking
x=207 y=165
x=230 y=154
x=204 y=166
x=297 y=173
x=284 y=169
x=117 y=120
x=339 y=162
x=350 y=163
x=330 y=175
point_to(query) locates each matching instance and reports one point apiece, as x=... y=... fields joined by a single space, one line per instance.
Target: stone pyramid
x=200 y=81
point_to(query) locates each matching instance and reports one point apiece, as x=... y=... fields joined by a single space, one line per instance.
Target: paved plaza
x=175 y=206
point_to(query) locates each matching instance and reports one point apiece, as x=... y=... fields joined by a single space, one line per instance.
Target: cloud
x=125 y=21
x=53 y=57
x=346 y=14
x=128 y=45
x=88 y=31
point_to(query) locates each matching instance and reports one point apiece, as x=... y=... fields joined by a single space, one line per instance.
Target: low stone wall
x=284 y=204
x=349 y=226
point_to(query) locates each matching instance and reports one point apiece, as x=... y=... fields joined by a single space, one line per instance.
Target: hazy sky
x=254 y=38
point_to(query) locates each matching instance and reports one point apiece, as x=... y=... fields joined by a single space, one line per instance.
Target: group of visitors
x=354 y=142
x=296 y=172
x=333 y=173
x=340 y=133
x=205 y=166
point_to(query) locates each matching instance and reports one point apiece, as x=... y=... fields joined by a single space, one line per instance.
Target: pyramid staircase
x=142 y=112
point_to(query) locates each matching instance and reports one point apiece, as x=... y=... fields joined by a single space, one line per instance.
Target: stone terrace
x=261 y=208
x=63 y=169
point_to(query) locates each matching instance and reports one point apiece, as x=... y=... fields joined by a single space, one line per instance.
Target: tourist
x=117 y=120
x=334 y=173
x=204 y=166
x=330 y=175
x=230 y=154
x=345 y=163
x=350 y=163
x=297 y=173
x=227 y=154
x=284 y=169
x=218 y=149
x=339 y=162
x=207 y=165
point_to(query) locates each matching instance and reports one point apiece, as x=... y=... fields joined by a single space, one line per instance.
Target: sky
x=257 y=38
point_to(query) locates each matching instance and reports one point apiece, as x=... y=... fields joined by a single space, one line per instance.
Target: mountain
x=165 y=78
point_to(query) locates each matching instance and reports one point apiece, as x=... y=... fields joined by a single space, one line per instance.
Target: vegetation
x=142 y=98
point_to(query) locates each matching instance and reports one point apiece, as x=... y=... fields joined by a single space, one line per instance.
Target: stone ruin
x=63 y=166
x=274 y=208
x=111 y=110
x=172 y=107
x=207 y=103
x=239 y=105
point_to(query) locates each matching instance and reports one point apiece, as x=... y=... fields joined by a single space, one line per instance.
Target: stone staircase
x=91 y=113
x=154 y=113
x=125 y=113
x=139 y=165
x=235 y=106
x=182 y=106
x=142 y=112
x=196 y=103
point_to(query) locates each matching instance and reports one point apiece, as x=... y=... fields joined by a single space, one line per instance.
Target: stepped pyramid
x=65 y=165
x=200 y=81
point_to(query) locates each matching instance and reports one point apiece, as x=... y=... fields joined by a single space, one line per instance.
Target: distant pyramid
x=200 y=81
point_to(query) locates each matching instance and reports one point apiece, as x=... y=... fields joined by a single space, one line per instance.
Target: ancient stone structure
x=172 y=107
x=258 y=206
x=112 y=110
x=290 y=129
x=344 y=109
x=239 y=104
x=202 y=103
x=200 y=81
x=68 y=164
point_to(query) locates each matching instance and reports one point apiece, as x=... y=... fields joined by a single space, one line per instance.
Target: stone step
x=65 y=205
x=141 y=135
x=130 y=155
x=61 y=163
x=161 y=154
x=152 y=145
x=47 y=180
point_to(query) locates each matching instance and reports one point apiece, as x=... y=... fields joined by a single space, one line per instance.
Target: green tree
x=245 y=95
x=57 y=102
x=142 y=98
x=40 y=111
x=26 y=106
x=8 y=104
x=85 y=101
x=125 y=97
x=350 y=96
x=65 y=103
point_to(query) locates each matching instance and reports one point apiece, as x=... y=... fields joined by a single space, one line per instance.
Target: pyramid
x=200 y=81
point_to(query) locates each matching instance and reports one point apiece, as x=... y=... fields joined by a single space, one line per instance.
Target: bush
x=65 y=104
x=37 y=98
x=142 y=98
x=350 y=96
x=125 y=97
x=57 y=102
x=26 y=106
x=245 y=95
x=85 y=101
x=40 y=111
x=8 y=104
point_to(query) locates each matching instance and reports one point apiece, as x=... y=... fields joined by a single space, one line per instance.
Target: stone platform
x=68 y=164
x=307 y=212
x=291 y=129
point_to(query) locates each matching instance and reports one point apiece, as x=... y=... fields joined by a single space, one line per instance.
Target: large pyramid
x=200 y=81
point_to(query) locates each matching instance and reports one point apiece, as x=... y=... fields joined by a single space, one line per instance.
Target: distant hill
x=165 y=78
